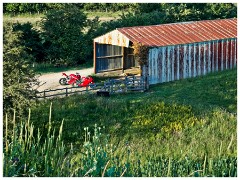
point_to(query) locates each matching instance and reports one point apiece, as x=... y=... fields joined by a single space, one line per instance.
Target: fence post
x=134 y=79
x=66 y=91
x=111 y=86
x=44 y=94
x=126 y=84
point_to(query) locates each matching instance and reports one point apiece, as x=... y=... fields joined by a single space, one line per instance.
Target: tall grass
x=25 y=155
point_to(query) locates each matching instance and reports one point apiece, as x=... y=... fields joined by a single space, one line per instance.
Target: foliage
x=63 y=36
x=15 y=8
x=196 y=10
x=67 y=33
x=140 y=53
x=18 y=77
x=30 y=40
x=26 y=154
x=92 y=27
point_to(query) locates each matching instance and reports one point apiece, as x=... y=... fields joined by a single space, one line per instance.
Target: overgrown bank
x=182 y=128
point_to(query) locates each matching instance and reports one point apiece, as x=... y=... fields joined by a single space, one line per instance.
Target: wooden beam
x=123 y=64
x=113 y=56
x=94 y=57
x=108 y=70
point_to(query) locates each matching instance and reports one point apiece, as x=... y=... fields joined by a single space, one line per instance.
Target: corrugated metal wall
x=171 y=63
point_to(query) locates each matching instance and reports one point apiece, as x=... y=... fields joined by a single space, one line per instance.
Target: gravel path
x=50 y=81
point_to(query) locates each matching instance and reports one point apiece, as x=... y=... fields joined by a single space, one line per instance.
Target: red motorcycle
x=70 y=79
x=77 y=79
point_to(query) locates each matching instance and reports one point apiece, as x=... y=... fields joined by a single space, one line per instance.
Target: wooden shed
x=177 y=50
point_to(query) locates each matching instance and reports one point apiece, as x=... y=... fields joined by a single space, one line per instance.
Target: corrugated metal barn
x=177 y=51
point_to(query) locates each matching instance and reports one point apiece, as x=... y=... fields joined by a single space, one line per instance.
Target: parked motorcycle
x=77 y=79
x=87 y=81
x=70 y=79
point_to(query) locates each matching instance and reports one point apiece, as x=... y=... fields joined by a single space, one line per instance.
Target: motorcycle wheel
x=63 y=81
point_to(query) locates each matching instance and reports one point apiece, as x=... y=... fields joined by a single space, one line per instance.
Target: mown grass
x=103 y=15
x=34 y=19
x=46 y=68
x=181 y=128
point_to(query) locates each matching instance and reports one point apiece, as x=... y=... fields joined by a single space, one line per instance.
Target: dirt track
x=50 y=81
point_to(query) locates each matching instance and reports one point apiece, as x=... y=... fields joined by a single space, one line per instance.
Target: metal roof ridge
x=176 y=23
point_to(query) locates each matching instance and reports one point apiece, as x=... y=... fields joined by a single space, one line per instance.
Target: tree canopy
x=62 y=33
x=18 y=77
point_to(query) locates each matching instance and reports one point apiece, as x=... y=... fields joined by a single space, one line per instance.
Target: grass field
x=51 y=68
x=34 y=19
x=181 y=128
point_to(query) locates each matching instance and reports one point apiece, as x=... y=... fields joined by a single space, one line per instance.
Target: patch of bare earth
x=51 y=80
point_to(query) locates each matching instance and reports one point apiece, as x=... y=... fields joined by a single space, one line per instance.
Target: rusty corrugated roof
x=181 y=33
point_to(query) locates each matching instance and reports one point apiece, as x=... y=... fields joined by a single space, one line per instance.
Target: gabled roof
x=172 y=34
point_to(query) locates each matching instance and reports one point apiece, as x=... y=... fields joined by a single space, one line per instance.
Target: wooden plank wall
x=109 y=57
x=129 y=58
x=171 y=63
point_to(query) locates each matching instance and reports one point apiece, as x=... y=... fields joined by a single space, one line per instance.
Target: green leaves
x=18 y=77
x=62 y=32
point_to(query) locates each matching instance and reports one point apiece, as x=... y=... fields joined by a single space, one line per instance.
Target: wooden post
x=94 y=57
x=66 y=91
x=123 y=63
x=44 y=94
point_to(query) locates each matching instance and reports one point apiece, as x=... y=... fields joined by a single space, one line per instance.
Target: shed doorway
x=109 y=57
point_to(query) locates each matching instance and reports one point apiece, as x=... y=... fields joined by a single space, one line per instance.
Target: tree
x=18 y=77
x=92 y=32
x=11 y=8
x=221 y=10
x=30 y=40
x=63 y=35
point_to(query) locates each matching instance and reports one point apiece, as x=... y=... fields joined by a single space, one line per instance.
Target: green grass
x=103 y=15
x=50 y=68
x=35 y=18
x=26 y=155
x=181 y=128
x=165 y=110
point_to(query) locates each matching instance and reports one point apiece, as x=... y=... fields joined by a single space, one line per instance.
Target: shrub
x=18 y=77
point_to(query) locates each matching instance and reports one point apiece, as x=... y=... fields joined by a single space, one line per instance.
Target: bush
x=18 y=77
x=30 y=40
